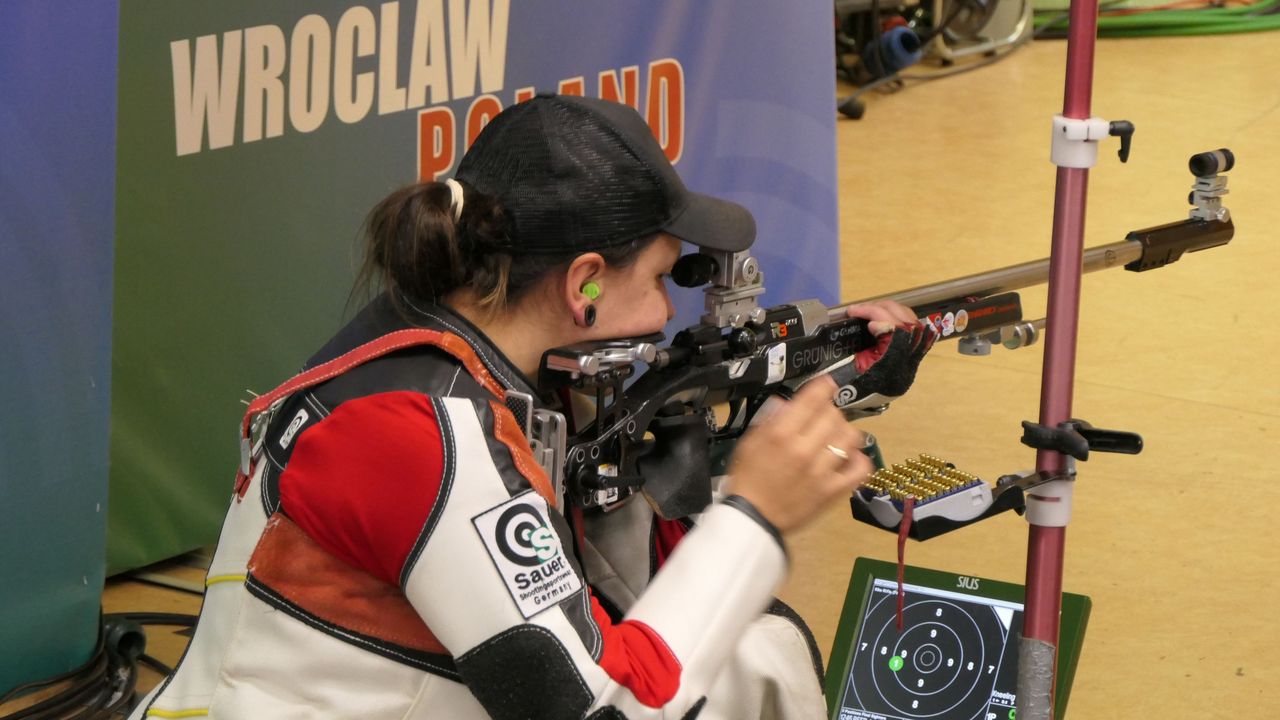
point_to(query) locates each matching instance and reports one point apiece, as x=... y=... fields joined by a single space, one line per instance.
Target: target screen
x=955 y=659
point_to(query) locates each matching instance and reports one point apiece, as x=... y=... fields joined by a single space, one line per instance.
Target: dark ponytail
x=413 y=247
x=415 y=250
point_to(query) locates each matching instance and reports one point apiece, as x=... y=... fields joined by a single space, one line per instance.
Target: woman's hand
x=800 y=457
x=883 y=317
x=885 y=371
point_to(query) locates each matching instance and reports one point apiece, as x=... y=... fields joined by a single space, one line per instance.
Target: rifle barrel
x=1013 y=277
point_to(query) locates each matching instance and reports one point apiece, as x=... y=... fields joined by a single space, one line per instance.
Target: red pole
x=1045 y=548
x=1082 y=36
x=1047 y=536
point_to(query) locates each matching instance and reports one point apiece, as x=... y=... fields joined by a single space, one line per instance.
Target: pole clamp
x=1075 y=141
x=1076 y=438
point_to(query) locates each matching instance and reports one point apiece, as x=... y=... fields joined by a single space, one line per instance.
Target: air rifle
x=657 y=427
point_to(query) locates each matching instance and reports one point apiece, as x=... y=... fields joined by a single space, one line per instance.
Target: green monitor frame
x=950 y=619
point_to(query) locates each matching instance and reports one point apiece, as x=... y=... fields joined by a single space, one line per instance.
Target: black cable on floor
x=77 y=695
x=105 y=686
x=61 y=677
x=127 y=696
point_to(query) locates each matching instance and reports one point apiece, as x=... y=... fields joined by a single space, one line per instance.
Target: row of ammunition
x=925 y=477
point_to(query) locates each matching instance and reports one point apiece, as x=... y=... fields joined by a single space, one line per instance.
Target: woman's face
x=634 y=300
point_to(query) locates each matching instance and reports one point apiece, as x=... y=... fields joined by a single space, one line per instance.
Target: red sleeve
x=666 y=535
x=362 y=482
x=636 y=657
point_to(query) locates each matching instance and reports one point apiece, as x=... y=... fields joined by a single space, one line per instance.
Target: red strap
x=903 y=529
x=388 y=343
x=579 y=527
x=667 y=534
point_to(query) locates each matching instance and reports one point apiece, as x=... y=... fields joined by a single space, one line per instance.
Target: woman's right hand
x=784 y=464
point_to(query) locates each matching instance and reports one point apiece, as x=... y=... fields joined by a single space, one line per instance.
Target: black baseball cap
x=581 y=174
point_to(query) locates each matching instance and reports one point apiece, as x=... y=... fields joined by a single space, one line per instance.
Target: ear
x=584 y=268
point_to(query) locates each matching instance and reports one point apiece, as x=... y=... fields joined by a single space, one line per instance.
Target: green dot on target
x=895 y=663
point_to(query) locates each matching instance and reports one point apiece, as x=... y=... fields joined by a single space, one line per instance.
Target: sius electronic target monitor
x=956 y=657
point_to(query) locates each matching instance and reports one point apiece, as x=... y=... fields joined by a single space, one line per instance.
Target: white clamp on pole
x=1075 y=142
x=1049 y=505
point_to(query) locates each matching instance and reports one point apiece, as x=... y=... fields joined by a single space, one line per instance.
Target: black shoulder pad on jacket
x=525 y=674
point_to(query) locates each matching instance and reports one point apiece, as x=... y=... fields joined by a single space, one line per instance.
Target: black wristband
x=745 y=506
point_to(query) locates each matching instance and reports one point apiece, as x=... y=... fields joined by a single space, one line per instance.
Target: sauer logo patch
x=527 y=553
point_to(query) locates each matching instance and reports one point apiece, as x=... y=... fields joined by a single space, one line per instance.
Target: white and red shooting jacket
x=395 y=552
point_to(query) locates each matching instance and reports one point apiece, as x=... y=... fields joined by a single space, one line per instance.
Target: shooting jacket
x=395 y=552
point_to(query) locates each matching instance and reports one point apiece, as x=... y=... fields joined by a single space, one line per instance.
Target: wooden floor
x=1175 y=546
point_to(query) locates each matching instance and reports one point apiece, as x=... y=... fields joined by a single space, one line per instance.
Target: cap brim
x=713 y=223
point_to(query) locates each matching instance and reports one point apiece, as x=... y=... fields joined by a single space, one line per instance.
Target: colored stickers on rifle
x=948 y=324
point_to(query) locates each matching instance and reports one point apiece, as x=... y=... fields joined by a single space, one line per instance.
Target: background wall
x=57 y=167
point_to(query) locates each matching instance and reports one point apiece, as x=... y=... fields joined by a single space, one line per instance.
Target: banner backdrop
x=57 y=165
x=253 y=138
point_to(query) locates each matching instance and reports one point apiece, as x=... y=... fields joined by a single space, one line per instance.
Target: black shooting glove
x=874 y=377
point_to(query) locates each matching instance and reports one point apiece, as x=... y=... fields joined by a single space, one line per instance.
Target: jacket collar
x=436 y=316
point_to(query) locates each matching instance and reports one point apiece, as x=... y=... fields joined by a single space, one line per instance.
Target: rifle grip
x=676 y=470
